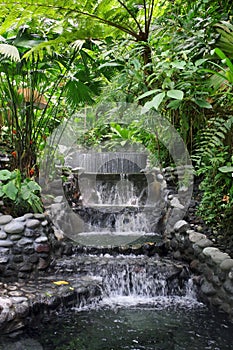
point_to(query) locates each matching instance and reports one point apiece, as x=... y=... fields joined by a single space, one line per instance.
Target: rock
x=196 y=236
x=39 y=216
x=204 y=242
x=216 y=255
x=14 y=227
x=5 y=219
x=228 y=286
x=6 y=243
x=15 y=293
x=208 y=289
x=17 y=258
x=42 y=248
x=27 y=267
x=20 y=218
x=33 y=223
x=210 y=250
x=33 y=258
x=28 y=216
x=25 y=241
x=5 y=305
x=15 y=237
x=4 y=255
x=219 y=257
x=18 y=300
x=175 y=203
x=41 y=239
x=3 y=235
x=43 y=264
x=44 y=223
x=181 y=226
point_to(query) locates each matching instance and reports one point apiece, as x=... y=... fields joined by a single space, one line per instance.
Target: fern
x=211 y=139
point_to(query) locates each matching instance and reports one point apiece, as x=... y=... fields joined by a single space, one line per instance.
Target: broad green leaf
x=226 y=169
x=5 y=175
x=202 y=103
x=200 y=61
x=30 y=185
x=156 y=101
x=176 y=94
x=148 y=93
x=178 y=64
x=25 y=193
x=174 y=104
x=10 y=190
x=1 y=192
x=224 y=57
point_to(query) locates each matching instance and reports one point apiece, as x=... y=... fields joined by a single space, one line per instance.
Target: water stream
x=147 y=304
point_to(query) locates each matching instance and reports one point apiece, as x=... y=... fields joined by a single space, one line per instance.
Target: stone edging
x=214 y=268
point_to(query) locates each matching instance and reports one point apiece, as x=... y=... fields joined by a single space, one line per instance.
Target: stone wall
x=212 y=267
x=24 y=246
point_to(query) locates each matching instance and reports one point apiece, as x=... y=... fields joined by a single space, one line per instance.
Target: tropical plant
x=18 y=196
x=37 y=93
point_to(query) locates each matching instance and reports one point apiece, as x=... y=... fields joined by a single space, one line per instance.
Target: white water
x=139 y=281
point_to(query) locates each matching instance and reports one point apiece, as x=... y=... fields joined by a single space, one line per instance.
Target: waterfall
x=133 y=280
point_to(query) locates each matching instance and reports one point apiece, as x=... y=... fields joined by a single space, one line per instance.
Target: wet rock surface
x=22 y=304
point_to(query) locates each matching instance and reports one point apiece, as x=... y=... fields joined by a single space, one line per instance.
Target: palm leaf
x=10 y=51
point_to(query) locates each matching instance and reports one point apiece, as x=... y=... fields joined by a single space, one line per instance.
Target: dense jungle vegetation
x=170 y=56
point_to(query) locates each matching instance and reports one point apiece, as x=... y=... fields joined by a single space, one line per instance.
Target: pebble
x=3 y=235
x=6 y=243
x=204 y=242
x=28 y=216
x=196 y=236
x=15 y=237
x=5 y=219
x=18 y=300
x=39 y=216
x=226 y=264
x=41 y=239
x=181 y=226
x=14 y=227
x=25 y=241
x=20 y=218
x=33 y=223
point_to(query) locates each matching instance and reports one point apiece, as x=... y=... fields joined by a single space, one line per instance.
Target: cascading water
x=134 y=280
x=115 y=197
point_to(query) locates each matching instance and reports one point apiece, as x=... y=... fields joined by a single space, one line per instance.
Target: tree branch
x=83 y=13
x=131 y=14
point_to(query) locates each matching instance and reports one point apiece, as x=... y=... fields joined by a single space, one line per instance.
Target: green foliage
x=210 y=140
x=217 y=186
x=214 y=164
x=19 y=196
x=38 y=92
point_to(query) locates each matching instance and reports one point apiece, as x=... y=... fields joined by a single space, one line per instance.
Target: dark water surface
x=133 y=328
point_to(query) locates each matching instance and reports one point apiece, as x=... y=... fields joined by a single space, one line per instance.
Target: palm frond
x=10 y=51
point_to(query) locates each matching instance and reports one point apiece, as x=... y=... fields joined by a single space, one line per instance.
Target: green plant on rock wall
x=18 y=196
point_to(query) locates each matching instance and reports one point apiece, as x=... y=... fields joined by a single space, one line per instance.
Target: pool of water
x=136 y=327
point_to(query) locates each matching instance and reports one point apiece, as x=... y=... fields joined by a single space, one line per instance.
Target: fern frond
x=10 y=51
x=211 y=138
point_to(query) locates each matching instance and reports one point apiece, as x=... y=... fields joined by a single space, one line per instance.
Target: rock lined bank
x=29 y=250
x=24 y=246
x=212 y=267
